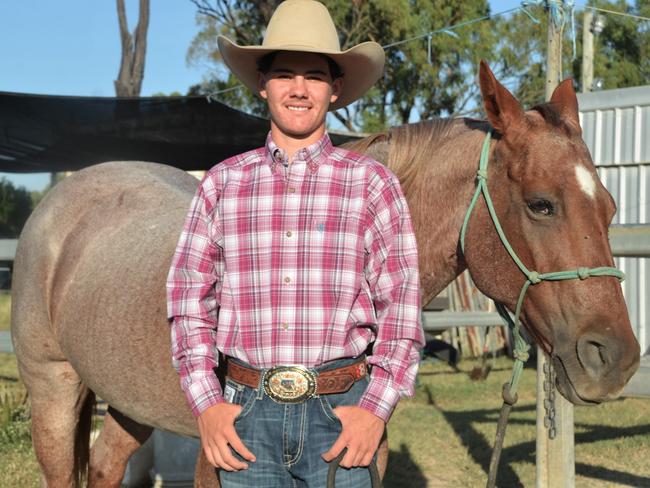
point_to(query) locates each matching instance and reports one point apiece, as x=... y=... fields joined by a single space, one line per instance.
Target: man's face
x=299 y=90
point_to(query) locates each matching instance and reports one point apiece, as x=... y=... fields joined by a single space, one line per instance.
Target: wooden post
x=555 y=458
x=587 y=51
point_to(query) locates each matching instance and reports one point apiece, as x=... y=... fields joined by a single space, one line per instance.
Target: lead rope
x=520 y=351
x=375 y=480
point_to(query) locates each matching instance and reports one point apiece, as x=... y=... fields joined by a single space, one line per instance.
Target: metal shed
x=616 y=128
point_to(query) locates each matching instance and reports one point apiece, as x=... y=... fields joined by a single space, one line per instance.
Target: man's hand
x=361 y=434
x=217 y=429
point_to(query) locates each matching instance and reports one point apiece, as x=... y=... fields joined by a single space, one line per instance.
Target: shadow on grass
x=621 y=477
x=464 y=422
x=402 y=472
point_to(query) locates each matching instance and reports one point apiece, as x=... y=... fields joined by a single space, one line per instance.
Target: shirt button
x=288 y=233
x=287 y=279
x=285 y=326
x=291 y=189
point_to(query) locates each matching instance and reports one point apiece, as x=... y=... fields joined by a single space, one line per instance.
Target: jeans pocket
x=327 y=409
x=246 y=398
x=347 y=398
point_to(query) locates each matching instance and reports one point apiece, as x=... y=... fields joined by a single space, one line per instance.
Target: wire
x=622 y=14
x=449 y=28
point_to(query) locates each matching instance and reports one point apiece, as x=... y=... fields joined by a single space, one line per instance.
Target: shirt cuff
x=203 y=393
x=380 y=398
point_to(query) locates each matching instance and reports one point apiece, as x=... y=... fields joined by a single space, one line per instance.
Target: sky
x=72 y=47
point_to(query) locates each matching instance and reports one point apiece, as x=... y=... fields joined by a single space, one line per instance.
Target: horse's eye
x=542 y=207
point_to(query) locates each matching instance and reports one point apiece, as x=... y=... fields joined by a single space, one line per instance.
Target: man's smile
x=298 y=108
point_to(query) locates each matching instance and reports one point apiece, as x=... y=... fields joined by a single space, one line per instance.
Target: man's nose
x=299 y=86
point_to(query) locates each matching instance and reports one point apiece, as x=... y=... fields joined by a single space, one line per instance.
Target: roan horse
x=88 y=314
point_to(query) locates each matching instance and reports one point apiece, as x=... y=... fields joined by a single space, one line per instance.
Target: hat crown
x=302 y=23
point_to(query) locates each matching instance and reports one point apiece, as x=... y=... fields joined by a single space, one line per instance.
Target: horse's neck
x=439 y=193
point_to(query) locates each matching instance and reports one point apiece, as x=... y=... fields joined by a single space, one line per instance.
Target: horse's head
x=555 y=212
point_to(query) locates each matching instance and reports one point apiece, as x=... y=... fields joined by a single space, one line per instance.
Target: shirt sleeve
x=392 y=272
x=193 y=288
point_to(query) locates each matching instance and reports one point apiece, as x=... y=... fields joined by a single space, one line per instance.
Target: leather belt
x=294 y=384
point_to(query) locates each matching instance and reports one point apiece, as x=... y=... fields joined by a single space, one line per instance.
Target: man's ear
x=261 y=83
x=337 y=86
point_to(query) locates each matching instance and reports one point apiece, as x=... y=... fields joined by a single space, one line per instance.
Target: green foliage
x=412 y=88
x=415 y=87
x=14 y=415
x=15 y=207
x=622 y=50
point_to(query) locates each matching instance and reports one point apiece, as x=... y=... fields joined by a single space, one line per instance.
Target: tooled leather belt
x=294 y=384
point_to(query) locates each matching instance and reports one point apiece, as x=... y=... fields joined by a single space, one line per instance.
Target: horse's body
x=89 y=311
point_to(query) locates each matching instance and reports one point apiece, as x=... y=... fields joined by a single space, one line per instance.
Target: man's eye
x=541 y=206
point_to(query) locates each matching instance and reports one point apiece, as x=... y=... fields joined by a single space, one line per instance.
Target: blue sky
x=72 y=47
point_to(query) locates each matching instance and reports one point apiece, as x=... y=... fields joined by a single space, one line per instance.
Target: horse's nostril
x=593 y=356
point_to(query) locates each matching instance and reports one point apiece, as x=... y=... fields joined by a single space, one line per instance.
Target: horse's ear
x=565 y=101
x=503 y=110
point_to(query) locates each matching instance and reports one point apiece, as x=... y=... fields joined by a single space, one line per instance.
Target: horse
x=89 y=305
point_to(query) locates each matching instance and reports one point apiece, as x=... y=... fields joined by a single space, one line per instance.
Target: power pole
x=555 y=457
x=587 y=51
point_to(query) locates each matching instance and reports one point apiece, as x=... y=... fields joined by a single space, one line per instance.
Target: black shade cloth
x=42 y=133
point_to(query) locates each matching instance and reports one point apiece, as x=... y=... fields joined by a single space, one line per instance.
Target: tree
x=622 y=49
x=134 y=49
x=15 y=207
x=412 y=88
x=418 y=85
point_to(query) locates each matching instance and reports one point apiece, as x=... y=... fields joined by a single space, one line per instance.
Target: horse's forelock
x=552 y=116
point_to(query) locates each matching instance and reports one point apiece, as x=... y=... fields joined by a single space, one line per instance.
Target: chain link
x=549 y=400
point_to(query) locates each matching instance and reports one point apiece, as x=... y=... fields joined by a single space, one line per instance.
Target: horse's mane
x=410 y=148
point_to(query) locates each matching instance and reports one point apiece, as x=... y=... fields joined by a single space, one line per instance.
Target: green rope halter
x=521 y=348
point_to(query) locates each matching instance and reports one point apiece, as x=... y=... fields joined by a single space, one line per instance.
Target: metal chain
x=549 y=400
x=520 y=351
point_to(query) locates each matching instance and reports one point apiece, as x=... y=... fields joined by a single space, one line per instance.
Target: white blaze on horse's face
x=586 y=181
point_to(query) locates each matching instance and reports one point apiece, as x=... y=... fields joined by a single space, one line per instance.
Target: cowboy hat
x=306 y=26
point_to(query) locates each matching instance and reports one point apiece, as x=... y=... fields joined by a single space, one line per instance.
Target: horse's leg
x=119 y=438
x=205 y=476
x=61 y=414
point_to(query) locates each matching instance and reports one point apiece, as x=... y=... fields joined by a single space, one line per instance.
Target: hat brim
x=362 y=65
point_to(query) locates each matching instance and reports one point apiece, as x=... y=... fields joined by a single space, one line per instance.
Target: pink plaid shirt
x=297 y=264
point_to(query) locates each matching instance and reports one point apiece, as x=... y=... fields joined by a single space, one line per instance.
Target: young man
x=294 y=260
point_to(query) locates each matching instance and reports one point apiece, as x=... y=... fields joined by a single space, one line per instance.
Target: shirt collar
x=313 y=155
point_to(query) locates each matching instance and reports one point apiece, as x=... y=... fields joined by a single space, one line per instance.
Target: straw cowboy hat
x=306 y=26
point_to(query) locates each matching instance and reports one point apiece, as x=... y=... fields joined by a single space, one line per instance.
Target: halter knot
x=521 y=355
x=534 y=278
x=482 y=174
x=583 y=273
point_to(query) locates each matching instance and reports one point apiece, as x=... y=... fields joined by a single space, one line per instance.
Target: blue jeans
x=288 y=439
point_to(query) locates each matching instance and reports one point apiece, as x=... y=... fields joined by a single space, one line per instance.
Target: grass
x=443 y=436
x=5 y=310
x=17 y=462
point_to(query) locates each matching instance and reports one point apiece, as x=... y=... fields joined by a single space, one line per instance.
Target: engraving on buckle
x=289 y=384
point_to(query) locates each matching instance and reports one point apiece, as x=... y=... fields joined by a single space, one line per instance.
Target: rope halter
x=521 y=348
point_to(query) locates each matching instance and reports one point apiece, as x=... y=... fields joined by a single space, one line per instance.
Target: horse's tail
x=82 y=439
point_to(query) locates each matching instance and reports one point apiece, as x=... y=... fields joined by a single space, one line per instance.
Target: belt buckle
x=289 y=384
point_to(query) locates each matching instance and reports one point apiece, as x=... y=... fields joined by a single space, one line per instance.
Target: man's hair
x=265 y=62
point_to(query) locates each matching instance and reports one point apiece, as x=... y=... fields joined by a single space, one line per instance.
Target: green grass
x=17 y=461
x=443 y=436
x=5 y=310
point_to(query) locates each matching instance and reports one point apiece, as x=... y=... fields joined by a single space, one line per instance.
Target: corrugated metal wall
x=616 y=128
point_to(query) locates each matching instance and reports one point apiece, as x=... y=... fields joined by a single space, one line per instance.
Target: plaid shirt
x=297 y=264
